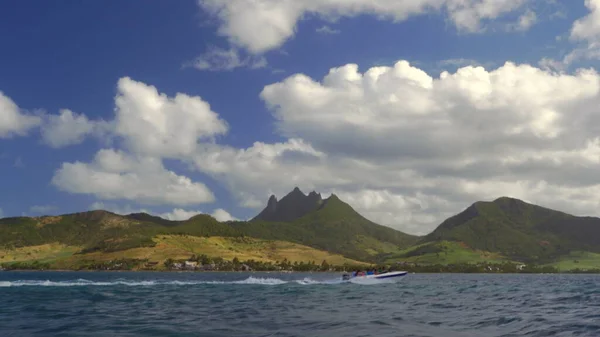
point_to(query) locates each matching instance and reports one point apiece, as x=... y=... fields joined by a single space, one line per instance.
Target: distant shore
x=570 y=272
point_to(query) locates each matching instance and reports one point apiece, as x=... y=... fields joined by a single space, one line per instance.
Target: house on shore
x=190 y=265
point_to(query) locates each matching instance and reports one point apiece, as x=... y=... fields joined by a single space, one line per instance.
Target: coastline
x=571 y=272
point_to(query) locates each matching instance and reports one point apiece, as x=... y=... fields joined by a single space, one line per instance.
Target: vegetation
x=174 y=247
x=577 y=261
x=334 y=227
x=520 y=231
x=444 y=252
x=303 y=229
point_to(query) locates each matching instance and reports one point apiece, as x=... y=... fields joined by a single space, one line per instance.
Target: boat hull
x=391 y=277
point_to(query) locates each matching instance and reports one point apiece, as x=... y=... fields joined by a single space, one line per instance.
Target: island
x=305 y=232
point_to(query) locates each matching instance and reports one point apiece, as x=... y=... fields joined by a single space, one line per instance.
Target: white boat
x=389 y=277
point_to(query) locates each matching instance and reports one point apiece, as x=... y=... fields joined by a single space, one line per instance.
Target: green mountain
x=303 y=226
x=293 y=206
x=327 y=225
x=508 y=229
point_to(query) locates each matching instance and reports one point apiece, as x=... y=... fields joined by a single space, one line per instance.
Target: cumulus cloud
x=152 y=127
x=116 y=175
x=588 y=27
x=151 y=123
x=263 y=25
x=177 y=214
x=526 y=21
x=222 y=215
x=407 y=149
x=587 y=31
x=14 y=121
x=70 y=128
x=218 y=59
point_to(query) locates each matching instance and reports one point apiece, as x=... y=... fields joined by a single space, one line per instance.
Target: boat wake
x=149 y=283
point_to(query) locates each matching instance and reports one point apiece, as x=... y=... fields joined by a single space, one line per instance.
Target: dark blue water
x=271 y=304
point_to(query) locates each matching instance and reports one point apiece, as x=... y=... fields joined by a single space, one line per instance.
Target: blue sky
x=71 y=55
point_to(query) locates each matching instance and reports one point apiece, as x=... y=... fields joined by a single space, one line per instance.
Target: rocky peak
x=292 y=206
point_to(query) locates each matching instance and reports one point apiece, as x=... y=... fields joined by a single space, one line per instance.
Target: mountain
x=292 y=206
x=510 y=229
x=303 y=227
x=326 y=225
x=329 y=224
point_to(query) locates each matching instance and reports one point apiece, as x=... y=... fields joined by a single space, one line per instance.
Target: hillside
x=303 y=227
x=329 y=224
x=292 y=206
x=326 y=225
x=519 y=231
x=175 y=247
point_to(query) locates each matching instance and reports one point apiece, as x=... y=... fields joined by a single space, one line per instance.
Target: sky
x=409 y=110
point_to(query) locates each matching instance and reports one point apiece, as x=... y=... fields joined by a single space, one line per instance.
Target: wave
x=133 y=283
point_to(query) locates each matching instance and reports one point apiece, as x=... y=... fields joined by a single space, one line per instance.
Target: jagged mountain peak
x=292 y=206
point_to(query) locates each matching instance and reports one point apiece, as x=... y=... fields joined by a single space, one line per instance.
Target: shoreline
x=288 y=272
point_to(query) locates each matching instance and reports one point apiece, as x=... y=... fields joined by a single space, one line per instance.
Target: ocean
x=295 y=304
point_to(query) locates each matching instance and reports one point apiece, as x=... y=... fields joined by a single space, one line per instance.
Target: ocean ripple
x=271 y=304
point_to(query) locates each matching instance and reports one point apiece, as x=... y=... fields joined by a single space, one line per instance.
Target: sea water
x=295 y=304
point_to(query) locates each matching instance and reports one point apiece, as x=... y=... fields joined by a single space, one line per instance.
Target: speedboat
x=389 y=277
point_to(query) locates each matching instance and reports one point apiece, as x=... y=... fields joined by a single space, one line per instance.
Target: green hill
x=519 y=231
x=505 y=229
x=292 y=206
x=326 y=225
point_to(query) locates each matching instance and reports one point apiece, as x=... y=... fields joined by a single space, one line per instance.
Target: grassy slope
x=444 y=252
x=577 y=260
x=337 y=227
x=177 y=247
x=515 y=229
x=506 y=228
x=42 y=253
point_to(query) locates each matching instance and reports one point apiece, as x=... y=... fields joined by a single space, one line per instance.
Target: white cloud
x=218 y=59
x=70 y=128
x=153 y=124
x=117 y=175
x=549 y=64
x=222 y=215
x=177 y=214
x=263 y=25
x=327 y=30
x=407 y=149
x=404 y=148
x=1 y=213
x=13 y=121
x=526 y=21
x=586 y=30
x=153 y=127
x=588 y=27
